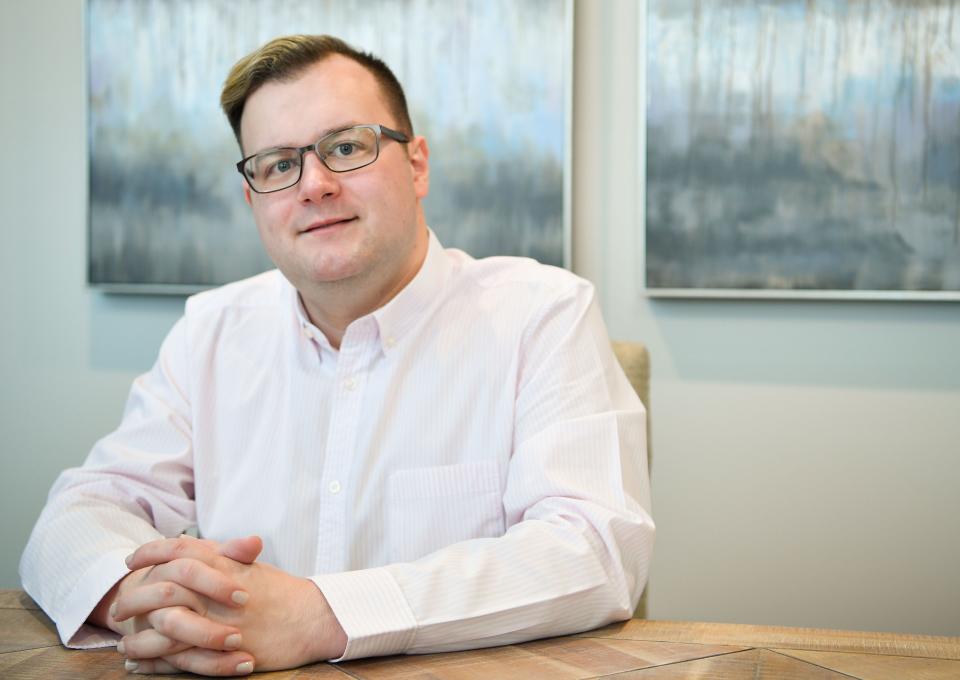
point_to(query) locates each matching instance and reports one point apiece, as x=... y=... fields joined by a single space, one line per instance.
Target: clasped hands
x=209 y=608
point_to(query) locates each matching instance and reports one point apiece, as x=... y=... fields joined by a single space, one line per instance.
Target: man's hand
x=285 y=622
x=185 y=588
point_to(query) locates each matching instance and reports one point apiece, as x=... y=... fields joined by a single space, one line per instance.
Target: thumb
x=243 y=550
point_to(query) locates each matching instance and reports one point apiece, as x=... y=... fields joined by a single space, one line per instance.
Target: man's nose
x=316 y=180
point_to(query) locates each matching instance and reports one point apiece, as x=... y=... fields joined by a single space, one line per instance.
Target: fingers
x=149 y=644
x=146 y=598
x=183 y=625
x=169 y=549
x=244 y=550
x=151 y=667
x=191 y=574
x=207 y=662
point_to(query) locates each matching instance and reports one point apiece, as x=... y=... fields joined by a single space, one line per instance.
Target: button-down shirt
x=468 y=469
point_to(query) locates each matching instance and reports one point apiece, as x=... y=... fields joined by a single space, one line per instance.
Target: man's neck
x=333 y=306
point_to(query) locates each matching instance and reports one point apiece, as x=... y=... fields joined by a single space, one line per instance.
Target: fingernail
x=120 y=648
x=245 y=667
x=128 y=559
x=113 y=610
x=239 y=597
x=232 y=641
x=131 y=665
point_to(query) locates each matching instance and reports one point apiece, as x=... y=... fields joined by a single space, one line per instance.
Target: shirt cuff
x=97 y=582
x=372 y=611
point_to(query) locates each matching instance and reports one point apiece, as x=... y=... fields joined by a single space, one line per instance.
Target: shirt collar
x=396 y=317
x=408 y=306
x=307 y=331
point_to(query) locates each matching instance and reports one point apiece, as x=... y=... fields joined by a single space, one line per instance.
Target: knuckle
x=187 y=569
x=163 y=621
x=178 y=549
x=168 y=592
x=211 y=639
x=187 y=660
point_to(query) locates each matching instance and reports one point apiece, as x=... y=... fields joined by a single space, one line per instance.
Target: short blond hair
x=287 y=57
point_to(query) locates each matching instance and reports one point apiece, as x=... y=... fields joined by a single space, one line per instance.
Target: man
x=426 y=452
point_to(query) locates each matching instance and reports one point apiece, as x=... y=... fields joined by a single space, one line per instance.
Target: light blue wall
x=807 y=454
x=68 y=355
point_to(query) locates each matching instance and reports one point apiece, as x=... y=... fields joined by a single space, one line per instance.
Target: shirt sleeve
x=135 y=486
x=579 y=536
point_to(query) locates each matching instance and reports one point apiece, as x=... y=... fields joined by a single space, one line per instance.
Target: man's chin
x=331 y=273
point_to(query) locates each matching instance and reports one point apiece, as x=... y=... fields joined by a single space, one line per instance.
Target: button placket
x=345 y=419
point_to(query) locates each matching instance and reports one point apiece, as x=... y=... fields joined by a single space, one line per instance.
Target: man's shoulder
x=263 y=291
x=523 y=276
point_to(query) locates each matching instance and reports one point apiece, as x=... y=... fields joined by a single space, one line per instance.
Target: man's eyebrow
x=323 y=133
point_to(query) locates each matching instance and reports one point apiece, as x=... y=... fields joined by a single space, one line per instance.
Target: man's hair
x=287 y=57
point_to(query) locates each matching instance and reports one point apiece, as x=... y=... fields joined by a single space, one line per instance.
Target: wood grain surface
x=755 y=664
x=16 y=599
x=561 y=658
x=875 y=667
x=658 y=650
x=815 y=639
x=22 y=629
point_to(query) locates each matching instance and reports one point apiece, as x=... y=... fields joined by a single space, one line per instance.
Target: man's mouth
x=322 y=225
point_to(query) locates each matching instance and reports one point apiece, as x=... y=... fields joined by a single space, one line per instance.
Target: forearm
x=545 y=577
x=74 y=556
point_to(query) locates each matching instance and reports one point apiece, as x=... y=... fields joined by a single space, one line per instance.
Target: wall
x=68 y=355
x=807 y=454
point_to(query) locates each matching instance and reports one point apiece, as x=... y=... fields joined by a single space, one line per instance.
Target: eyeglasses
x=341 y=151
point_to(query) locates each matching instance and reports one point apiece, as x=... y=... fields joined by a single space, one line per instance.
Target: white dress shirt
x=469 y=469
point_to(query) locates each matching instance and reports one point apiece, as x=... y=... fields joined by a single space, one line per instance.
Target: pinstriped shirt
x=468 y=469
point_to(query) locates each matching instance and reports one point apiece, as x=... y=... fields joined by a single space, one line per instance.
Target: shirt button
x=349 y=383
x=307 y=333
x=334 y=487
x=391 y=342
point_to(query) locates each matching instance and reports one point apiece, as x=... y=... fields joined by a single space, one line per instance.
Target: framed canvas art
x=803 y=149
x=487 y=82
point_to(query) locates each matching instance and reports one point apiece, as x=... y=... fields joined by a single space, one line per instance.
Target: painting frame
x=562 y=250
x=653 y=290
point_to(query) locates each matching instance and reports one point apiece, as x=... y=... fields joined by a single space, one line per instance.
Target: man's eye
x=279 y=167
x=344 y=149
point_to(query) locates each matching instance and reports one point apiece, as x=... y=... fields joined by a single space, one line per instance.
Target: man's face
x=365 y=225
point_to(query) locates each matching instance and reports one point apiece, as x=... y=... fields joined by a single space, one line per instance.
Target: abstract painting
x=487 y=83
x=807 y=147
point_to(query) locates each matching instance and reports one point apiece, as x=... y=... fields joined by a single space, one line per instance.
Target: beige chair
x=635 y=360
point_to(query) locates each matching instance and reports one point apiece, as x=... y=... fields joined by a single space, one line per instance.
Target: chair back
x=635 y=360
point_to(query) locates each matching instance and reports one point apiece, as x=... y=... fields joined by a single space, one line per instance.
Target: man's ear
x=246 y=191
x=419 y=154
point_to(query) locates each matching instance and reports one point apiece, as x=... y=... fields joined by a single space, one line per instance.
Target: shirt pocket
x=431 y=508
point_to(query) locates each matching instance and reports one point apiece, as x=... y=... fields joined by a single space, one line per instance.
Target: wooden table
x=634 y=649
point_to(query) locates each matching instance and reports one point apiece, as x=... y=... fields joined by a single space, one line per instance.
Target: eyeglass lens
x=341 y=151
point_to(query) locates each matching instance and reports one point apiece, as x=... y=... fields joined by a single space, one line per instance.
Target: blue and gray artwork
x=485 y=82
x=803 y=145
